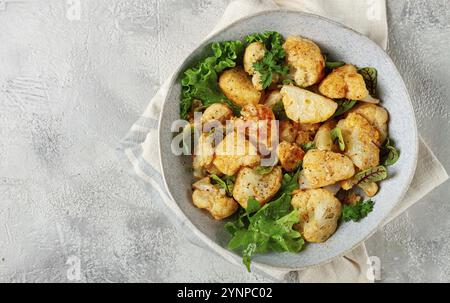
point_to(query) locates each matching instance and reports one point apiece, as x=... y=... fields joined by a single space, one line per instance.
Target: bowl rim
x=231 y=255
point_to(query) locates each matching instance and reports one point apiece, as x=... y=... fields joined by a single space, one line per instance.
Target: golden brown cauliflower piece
x=319 y=212
x=260 y=186
x=376 y=115
x=304 y=106
x=290 y=155
x=288 y=130
x=322 y=168
x=213 y=199
x=323 y=140
x=344 y=82
x=305 y=61
x=203 y=155
x=361 y=141
x=217 y=112
x=253 y=53
x=306 y=133
x=233 y=152
x=237 y=87
x=272 y=98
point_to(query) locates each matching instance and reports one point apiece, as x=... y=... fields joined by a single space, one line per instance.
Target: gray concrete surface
x=69 y=90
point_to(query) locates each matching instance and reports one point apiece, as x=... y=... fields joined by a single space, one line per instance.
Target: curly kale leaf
x=201 y=81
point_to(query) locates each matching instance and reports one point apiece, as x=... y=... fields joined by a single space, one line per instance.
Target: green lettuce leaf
x=374 y=174
x=370 y=78
x=201 y=81
x=270 y=228
x=357 y=211
x=344 y=106
x=334 y=64
x=336 y=136
x=389 y=153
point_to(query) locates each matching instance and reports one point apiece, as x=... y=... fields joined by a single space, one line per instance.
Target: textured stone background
x=69 y=90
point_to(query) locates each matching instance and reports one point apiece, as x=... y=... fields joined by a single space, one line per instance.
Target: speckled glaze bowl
x=340 y=43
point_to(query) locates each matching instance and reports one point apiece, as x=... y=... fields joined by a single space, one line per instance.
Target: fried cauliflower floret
x=217 y=112
x=272 y=98
x=233 y=152
x=304 y=106
x=237 y=87
x=322 y=168
x=288 y=130
x=290 y=155
x=361 y=141
x=213 y=199
x=257 y=112
x=253 y=53
x=203 y=154
x=319 y=212
x=306 y=133
x=376 y=115
x=260 y=186
x=323 y=140
x=344 y=82
x=258 y=120
x=305 y=61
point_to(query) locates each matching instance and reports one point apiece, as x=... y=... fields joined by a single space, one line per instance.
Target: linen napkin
x=138 y=147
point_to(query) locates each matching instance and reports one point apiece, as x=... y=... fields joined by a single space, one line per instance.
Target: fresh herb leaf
x=344 y=106
x=357 y=211
x=389 y=153
x=225 y=183
x=308 y=145
x=278 y=111
x=269 y=229
x=263 y=170
x=370 y=78
x=200 y=81
x=336 y=136
x=273 y=60
x=373 y=174
x=288 y=82
x=289 y=182
x=334 y=64
x=253 y=205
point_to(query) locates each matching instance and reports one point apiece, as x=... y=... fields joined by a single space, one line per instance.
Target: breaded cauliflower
x=376 y=115
x=272 y=98
x=319 y=212
x=306 y=133
x=203 y=154
x=217 y=112
x=290 y=155
x=237 y=87
x=323 y=140
x=344 y=82
x=258 y=119
x=234 y=152
x=288 y=130
x=305 y=61
x=253 y=53
x=262 y=187
x=361 y=141
x=213 y=199
x=322 y=168
x=304 y=106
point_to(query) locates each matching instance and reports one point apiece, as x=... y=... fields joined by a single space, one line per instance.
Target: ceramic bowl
x=341 y=43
